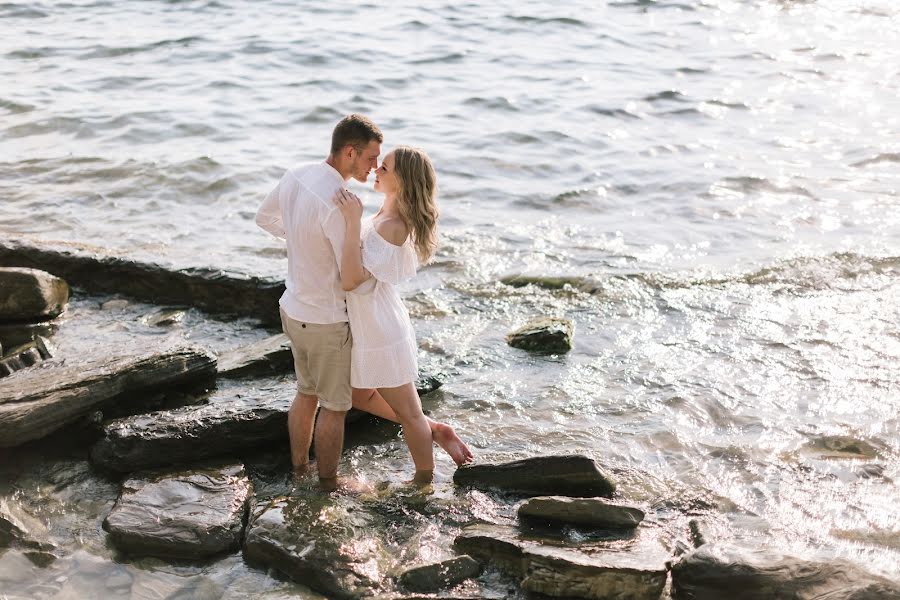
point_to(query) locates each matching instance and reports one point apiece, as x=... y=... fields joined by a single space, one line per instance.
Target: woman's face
x=386 y=178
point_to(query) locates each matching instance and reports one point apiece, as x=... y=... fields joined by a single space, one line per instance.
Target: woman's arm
x=352 y=272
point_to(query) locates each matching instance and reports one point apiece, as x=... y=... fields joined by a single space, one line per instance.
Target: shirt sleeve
x=335 y=230
x=268 y=216
x=387 y=262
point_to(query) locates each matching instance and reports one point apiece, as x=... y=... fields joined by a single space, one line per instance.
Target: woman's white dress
x=384 y=343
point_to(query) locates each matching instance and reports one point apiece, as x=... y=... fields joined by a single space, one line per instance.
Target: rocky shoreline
x=191 y=487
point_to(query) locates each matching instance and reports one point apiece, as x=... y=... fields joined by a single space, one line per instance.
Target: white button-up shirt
x=300 y=210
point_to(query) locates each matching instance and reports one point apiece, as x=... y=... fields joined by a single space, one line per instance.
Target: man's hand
x=349 y=204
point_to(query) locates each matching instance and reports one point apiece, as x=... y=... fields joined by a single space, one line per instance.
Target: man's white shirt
x=300 y=210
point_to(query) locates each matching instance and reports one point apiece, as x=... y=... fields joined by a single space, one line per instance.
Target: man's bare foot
x=447 y=439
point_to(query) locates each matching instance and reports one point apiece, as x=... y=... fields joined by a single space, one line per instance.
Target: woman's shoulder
x=393 y=230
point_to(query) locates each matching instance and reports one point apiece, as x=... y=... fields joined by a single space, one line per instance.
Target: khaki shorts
x=321 y=360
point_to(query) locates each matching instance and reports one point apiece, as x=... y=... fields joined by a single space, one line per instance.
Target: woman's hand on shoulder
x=349 y=204
x=393 y=230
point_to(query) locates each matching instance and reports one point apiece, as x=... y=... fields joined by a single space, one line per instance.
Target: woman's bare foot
x=447 y=439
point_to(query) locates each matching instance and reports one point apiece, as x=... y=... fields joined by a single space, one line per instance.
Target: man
x=313 y=307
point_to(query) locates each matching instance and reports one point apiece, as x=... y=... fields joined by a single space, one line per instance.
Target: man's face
x=365 y=160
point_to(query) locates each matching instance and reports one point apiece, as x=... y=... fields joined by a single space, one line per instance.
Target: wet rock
x=878 y=537
x=566 y=572
x=841 y=446
x=17 y=334
x=36 y=402
x=437 y=576
x=31 y=295
x=272 y=354
x=587 y=512
x=426 y=384
x=115 y=304
x=165 y=318
x=549 y=335
x=191 y=514
x=715 y=571
x=19 y=529
x=20 y=358
x=324 y=541
x=212 y=290
x=228 y=424
x=572 y=475
x=547 y=283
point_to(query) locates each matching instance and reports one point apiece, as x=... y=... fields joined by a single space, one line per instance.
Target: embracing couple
x=351 y=337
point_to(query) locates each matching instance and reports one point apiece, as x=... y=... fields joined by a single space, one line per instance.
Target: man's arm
x=268 y=216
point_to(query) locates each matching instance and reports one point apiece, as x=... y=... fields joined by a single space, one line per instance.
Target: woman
x=376 y=256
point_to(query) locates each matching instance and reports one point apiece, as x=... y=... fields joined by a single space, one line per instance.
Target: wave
x=883 y=157
x=529 y=20
x=114 y=51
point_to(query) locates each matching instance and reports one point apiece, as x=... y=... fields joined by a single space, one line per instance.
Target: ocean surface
x=719 y=178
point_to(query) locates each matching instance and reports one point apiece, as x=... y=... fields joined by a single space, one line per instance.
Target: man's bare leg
x=301 y=417
x=329 y=443
x=370 y=401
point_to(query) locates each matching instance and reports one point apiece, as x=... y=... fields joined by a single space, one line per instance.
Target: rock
x=36 y=402
x=272 y=354
x=115 y=304
x=573 y=475
x=548 y=335
x=600 y=573
x=587 y=512
x=715 y=571
x=228 y=424
x=190 y=514
x=212 y=290
x=873 y=535
x=426 y=384
x=17 y=334
x=437 y=576
x=165 y=318
x=19 y=529
x=20 y=358
x=547 y=283
x=841 y=446
x=324 y=541
x=31 y=295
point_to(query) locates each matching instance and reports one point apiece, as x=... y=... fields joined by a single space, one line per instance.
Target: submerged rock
x=31 y=295
x=714 y=571
x=437 y=576
x=572 y=475
x=324 y=541
x=192 y=514
x=165 y=318
x=549 y=335
x=272 y=354
x=567 y=572
x=547 y=283
x=587 y=512
x=213 y=290
x=841 y=446
x=36 y=402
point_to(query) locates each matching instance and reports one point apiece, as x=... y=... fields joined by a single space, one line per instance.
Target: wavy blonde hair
x=417 y=198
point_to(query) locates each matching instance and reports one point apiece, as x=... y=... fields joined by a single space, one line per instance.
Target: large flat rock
x=716 y=571
x=601 y=574
x=31 y=295
x=37 y=401
x=324 y=541
x=271 y=355
x=213 y=290
x=231 y=422
x=570 y=475
x=190 y=514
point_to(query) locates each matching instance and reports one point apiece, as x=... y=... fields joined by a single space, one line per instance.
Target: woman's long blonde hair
x=417 y=198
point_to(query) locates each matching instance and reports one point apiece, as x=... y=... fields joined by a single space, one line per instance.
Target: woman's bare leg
x=404 y=401
x=372 y=402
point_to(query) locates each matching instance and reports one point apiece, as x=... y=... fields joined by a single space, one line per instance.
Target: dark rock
x=714 y=571
x=437 y=576
x=324 y=541
x=575 y=475
x=191 y=514
x=426 y=384
x=20 y=358
x=228 y=424
x=36 y=402
x=31 y=295
x=214 y=291
x=272 y=354
x=599 y=573
x=17 y=334
x=547 y=283
x=547 y=335
x=587 y=512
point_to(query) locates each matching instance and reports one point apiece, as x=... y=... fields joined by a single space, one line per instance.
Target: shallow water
x=722 y=174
